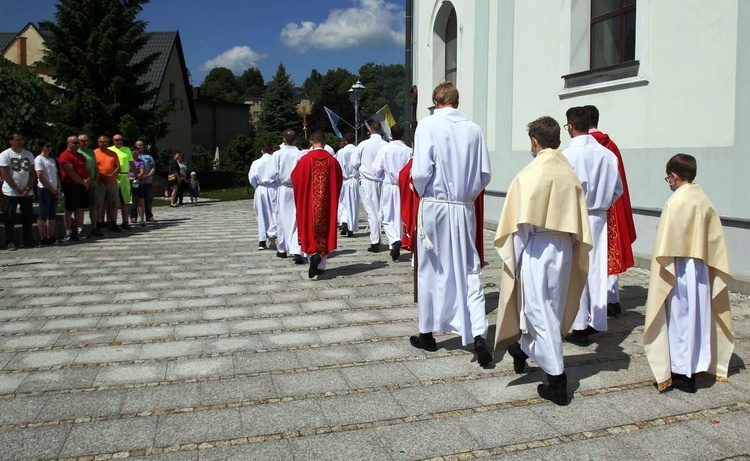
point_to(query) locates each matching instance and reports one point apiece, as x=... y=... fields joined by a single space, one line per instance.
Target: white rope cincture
x=426 y=243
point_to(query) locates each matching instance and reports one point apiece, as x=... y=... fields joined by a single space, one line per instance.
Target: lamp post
x=355 y=96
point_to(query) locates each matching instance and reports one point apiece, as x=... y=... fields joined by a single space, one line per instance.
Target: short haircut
x=350 y=138
x=318 y=137
x=376 y=127
x=593 y=114
x=446 y=94
x=289 y=136
x=546 y=131
x=397 y=131
x=684 y=166
x=304 y=143
x=267 y=147
x=578 y=118
x=13 y=134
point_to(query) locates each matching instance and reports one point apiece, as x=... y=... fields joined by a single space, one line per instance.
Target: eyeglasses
x=668 y=177
x=74 y=142
x=47 y=146
x=117 y=140
x=566 y=126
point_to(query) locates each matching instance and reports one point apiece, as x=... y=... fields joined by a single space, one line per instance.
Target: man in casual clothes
x=688 y=322
x=317 y=183
x=147 y=182
x=262 y=176
x=450 y=168
x=620 y=225
x=349 y=199
x=123 y=180
x=285 y=159
x=75 y=184
x=19 y=176
x=370 y=186
x=95 y=205
x=387 y=165
x=543 y=238
x=108 y=168
x=596 y=168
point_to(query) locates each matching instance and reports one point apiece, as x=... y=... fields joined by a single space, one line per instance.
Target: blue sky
x=320 y=34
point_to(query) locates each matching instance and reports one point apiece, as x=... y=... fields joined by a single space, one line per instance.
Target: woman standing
x=180 y=180
x=49 y=192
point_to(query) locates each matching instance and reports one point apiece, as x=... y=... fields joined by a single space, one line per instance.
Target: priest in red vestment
x=620 y=225
x=317 y=181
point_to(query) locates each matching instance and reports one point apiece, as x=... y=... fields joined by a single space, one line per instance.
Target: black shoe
x=126 y=226
x=578 y=337
x=591 y=330
x=557 y=389
x=262 y=245
x=314 y=261
x=396 y=250
x=424 y=341
x=374 y=248
x=519 y=357
x=96 y=232
x=281 y=254
x=484 y=357
x=114 y=227
x=684 y=384
x=298 y=259
x=350 y=234
x=614 y=310
x=344 y=228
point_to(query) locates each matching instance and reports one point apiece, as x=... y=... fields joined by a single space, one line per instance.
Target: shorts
x=76 y=196
x=47 y=205
x=123 y=181
x=109 y=193
x=194 y=192
x=94 y=196
x=137 y=193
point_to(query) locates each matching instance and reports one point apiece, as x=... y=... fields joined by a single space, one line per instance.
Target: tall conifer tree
x=91 y=46
x=279 y=105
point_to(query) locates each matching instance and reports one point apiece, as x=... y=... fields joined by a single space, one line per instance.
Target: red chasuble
x=620 y=225
x=316 y=181
x=410 y=205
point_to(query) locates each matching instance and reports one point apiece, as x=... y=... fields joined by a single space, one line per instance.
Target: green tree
x=95 y=62
x=251 y=83
x=24 y=104
x=238 y=155
x=312 y=84
x=202 y=159
x=333 y=93
x=384 y=84
x=279 y=105
x=221 y=84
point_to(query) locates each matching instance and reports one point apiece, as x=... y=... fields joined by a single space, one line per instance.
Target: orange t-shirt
x=106 y=163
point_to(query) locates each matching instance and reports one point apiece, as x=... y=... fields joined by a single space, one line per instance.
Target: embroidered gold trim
x=661 y=387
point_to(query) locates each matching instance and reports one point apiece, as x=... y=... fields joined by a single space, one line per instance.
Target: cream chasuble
x=546 y=193
x=689 y=227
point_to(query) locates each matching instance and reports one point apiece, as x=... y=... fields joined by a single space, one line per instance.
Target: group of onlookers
x=98 y=179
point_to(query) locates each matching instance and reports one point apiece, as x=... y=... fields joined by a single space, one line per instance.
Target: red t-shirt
x=78 y=161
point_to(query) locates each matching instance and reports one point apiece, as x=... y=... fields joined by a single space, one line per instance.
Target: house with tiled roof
x=168 y=73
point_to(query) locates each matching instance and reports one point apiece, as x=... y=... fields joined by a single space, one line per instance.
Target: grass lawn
x=235 y=193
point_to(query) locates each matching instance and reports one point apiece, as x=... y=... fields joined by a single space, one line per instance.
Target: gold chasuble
x=548 y=194
x=689 y=227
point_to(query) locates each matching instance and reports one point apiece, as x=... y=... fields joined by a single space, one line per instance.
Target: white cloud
x=236 y=59
x=369 y=23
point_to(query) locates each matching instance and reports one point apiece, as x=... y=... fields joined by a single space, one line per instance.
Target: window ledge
x=601 y=80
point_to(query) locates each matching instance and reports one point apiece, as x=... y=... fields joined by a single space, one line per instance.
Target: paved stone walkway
x=182 y=341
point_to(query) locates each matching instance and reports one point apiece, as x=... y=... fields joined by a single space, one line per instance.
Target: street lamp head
x=356 y=91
